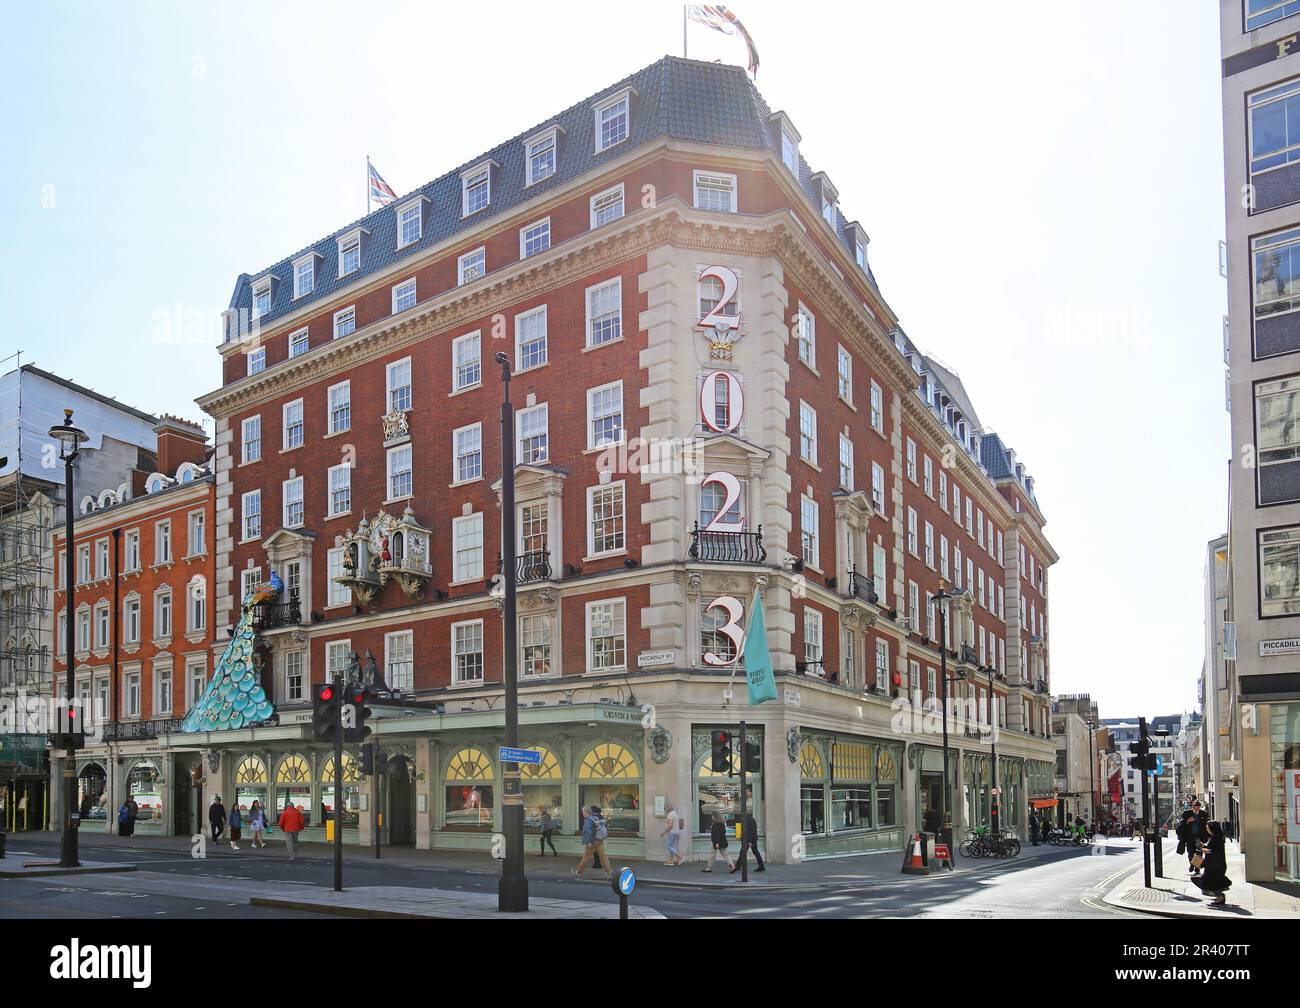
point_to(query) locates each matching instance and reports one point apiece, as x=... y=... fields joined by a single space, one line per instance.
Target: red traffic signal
x=720 y=752
x=325 y=693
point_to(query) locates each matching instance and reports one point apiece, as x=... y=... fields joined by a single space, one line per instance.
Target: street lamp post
x=993 y=746
x=512 y=891
x=938 y=600
x=1092 y=772
x=69 y=438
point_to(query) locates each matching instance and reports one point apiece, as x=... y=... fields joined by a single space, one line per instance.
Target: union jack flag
x=720 y=19
x=380 y=191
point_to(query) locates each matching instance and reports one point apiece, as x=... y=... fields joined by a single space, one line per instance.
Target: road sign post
x=624 y=884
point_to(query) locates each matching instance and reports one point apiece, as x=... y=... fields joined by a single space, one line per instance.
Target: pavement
x=29 y=866
x=1176 y=896
x=863 y=870
x=406 y=903
x=175 y=880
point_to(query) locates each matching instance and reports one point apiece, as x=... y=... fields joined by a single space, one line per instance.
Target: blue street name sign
x=519 y=756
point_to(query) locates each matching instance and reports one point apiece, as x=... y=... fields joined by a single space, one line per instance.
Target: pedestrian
x=291 y=822
x=594 y=834
x=1213 y=880
x=718 y=842
x=1033 y=830
x=749 y=841
x=257 y=823
x=1195 y=834
x=217 y=819
x=547 y=825
x=124 y=820
x=236 y=821
x=672 y=836
x=133 y=812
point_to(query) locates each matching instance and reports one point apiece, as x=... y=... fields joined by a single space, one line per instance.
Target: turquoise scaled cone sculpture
x=234 y=698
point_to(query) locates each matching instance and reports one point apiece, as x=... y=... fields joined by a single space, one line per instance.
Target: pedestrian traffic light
x=751 y=756
x=356 y=711
x=1141 y=750
x=324 y=712
x=720 y=760
x=68 y=733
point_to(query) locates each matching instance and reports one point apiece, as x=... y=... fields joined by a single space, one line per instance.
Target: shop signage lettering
x=647 y=659
x=1284 y=645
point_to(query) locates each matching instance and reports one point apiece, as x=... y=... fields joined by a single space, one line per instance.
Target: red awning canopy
x=1042 y=802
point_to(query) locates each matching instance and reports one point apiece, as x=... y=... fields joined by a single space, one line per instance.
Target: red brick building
x=143 y=607
x=714 y=398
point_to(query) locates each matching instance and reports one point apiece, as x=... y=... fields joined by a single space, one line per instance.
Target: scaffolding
x=29 y=507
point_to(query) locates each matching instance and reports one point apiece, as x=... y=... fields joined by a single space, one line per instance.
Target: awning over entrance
x=1043 y=803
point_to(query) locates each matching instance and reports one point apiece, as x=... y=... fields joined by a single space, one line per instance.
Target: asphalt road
x=171 y=884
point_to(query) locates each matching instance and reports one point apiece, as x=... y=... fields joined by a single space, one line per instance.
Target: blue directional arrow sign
x=626 y=881
x=1159 y=767
x=519 y=756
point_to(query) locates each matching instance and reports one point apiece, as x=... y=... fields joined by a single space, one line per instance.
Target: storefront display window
x=1284 y=733
x=250 y=784
x=142 y=785
x=469 y=791
x=293 y=783
x=850 y=808
x=542 y=789
x=812 y=792
x=350 y=813
x=609 y=776
x=92 y=792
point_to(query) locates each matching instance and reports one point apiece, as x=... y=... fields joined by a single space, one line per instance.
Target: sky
x=1062 y=163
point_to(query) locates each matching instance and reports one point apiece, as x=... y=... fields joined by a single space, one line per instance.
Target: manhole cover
x=1148 y=896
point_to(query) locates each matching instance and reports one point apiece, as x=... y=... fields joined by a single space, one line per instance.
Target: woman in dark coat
x=1213 y=880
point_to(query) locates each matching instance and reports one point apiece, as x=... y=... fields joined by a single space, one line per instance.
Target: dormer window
x=350 y=251
x=262 y=297
x=858 y=241
x=410 y=222
x=304 y=275
x=613 y=117
x=539 y=156
x=476 y=188
x=828 y=211
x=789 y=139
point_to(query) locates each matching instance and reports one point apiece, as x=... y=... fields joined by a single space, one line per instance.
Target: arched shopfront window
x=469 y=791
x=609 y=776
x=293 y=783
x=812 y=789
x=92 y=792
x=142 y=784
x=542 y=789
x=249 y=784
x=351 y=805
x=717 y=791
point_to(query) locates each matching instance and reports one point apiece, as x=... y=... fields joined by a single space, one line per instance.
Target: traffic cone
x=913 y=863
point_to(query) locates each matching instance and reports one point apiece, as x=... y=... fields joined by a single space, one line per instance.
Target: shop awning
x=1042 y=802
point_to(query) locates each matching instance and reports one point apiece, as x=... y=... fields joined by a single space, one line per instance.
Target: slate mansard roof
x=677 y=98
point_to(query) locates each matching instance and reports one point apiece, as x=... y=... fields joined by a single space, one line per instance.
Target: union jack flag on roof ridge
x=720 y=19
x=379 y=190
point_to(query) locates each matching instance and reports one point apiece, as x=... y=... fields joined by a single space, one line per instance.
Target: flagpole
x=367 y=185
x=684 y=31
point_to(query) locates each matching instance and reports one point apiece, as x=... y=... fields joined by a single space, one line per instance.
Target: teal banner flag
x=758 y=660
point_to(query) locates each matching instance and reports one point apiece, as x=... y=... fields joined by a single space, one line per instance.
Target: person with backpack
x=236 y=821
x=124 y=820
x=546 y=826
x=718 y=840
x=594 y=834
x=257 y=822
x=291 y=822
x=217 y=819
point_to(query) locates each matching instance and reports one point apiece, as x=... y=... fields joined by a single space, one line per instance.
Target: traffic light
x=324 y=712
x=751 y=757
x=356 y=711
x=1141 y=750
x=368 y=753
x=68 y=732
x=721 y=755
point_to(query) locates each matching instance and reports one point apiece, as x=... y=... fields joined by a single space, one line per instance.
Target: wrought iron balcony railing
x=535 y=565
x=269 y=616
x=727 y=547
x=862 y=587
x=126 y=731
